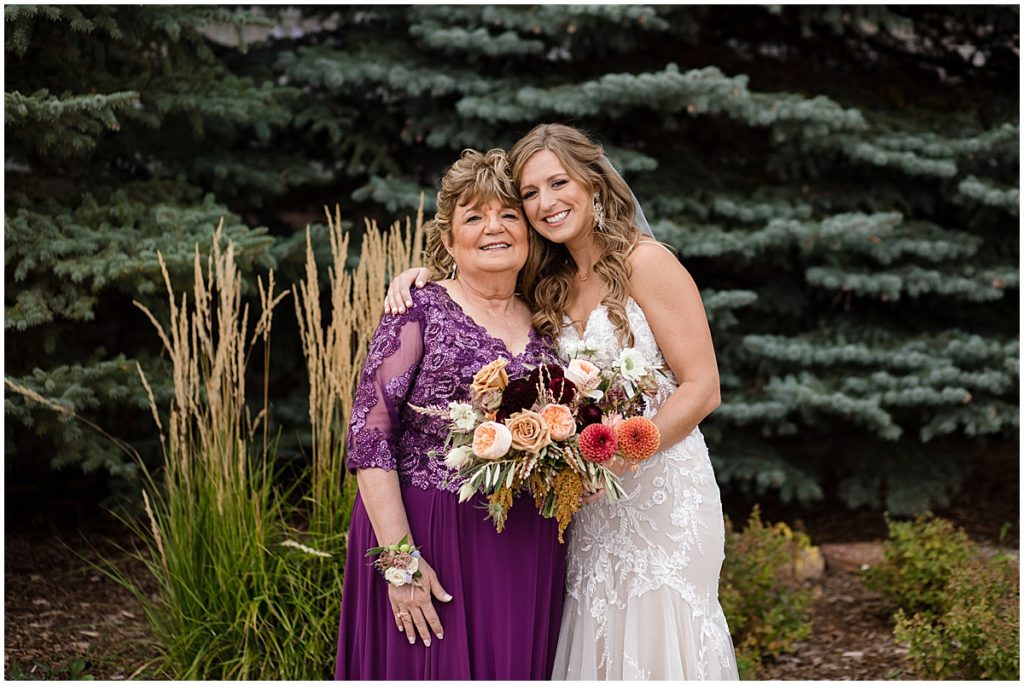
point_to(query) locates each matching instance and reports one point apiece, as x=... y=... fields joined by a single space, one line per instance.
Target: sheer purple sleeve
x=388 y=374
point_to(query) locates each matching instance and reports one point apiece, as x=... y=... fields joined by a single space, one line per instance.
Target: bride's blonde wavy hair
x=548 y=278
x=474 y=176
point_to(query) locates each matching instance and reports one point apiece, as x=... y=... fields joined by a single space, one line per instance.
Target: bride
x=642 y=573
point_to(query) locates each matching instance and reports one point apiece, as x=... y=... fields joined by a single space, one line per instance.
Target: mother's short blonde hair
x=474 y=177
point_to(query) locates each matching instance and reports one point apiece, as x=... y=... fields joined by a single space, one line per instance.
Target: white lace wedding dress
x=642 y=578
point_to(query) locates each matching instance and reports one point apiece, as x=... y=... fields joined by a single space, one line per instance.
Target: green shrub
x=956 y=608
x=920 y=556
x=764 y=600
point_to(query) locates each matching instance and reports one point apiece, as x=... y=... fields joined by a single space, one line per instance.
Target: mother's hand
x=413 y=608
x=400 y=289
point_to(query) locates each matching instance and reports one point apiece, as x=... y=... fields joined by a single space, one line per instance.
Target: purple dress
x=503 y=621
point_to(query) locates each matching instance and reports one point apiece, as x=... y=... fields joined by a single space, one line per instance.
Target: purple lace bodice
x=427 y=356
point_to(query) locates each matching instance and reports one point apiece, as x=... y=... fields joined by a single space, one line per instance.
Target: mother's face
x=488 y=238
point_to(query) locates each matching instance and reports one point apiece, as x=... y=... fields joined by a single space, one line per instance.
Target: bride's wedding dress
x=642 y=577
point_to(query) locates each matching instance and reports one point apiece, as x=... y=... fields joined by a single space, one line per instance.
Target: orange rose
x=491 y=440
x=559 y=420
x=490 y=378
x=529 y=431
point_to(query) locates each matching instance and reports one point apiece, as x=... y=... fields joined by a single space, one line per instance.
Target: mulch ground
x=59 y=609
x=851 y=637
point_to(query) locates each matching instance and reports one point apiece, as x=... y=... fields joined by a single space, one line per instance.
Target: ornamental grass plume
x=638 y=438
x=569 y=493
x=597 y=443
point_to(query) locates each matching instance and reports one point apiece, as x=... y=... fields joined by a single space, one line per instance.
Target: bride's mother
x=487 y=606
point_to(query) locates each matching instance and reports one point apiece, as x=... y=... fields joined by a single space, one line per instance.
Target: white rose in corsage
x=399 y=563
x=395 y=576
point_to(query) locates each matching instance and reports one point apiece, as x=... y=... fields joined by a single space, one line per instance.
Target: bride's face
x=558 y=206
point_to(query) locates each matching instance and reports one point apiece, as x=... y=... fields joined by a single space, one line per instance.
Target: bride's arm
x=671 y=302
x=400 y=289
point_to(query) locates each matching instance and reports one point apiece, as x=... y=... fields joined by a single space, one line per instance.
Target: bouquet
x=550 y=432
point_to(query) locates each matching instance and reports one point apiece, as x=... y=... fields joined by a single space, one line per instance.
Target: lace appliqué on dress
x=426 y=356
x=666 y=535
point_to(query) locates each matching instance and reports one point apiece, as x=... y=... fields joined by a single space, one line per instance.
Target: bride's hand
x=399 y=295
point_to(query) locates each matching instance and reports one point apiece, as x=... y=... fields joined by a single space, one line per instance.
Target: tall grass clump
x=335 y=352
x=212 y=516
x=248 y=583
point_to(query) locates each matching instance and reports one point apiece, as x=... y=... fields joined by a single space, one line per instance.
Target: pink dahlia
x=597 y=443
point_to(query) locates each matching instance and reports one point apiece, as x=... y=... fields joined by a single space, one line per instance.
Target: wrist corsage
x=400 y=563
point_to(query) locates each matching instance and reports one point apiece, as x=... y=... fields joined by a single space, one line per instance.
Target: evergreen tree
x=842 y=182
x=124 y=131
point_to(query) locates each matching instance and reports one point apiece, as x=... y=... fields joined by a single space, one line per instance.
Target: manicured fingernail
x=419 y=284
x=412 y=641
x=447 y=597
x=408 y=303
x=440 y=636
x=426 y=643
x=401 y=310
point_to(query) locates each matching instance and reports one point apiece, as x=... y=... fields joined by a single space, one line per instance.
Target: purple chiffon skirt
x=503 y=620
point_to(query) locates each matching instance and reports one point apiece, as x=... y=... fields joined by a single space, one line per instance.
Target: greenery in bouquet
x=552 y=432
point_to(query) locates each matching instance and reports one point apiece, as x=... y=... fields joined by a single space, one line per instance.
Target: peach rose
x=491 y=440
x=585 y=375
x=529 y=431
x=490 y=378
x=559 y=420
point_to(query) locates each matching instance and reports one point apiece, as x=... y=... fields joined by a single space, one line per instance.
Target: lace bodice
x=427 y=356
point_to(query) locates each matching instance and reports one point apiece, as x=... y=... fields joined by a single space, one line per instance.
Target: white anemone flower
x=631 y=365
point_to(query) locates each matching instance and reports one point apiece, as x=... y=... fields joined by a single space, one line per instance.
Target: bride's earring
x=598 y=214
